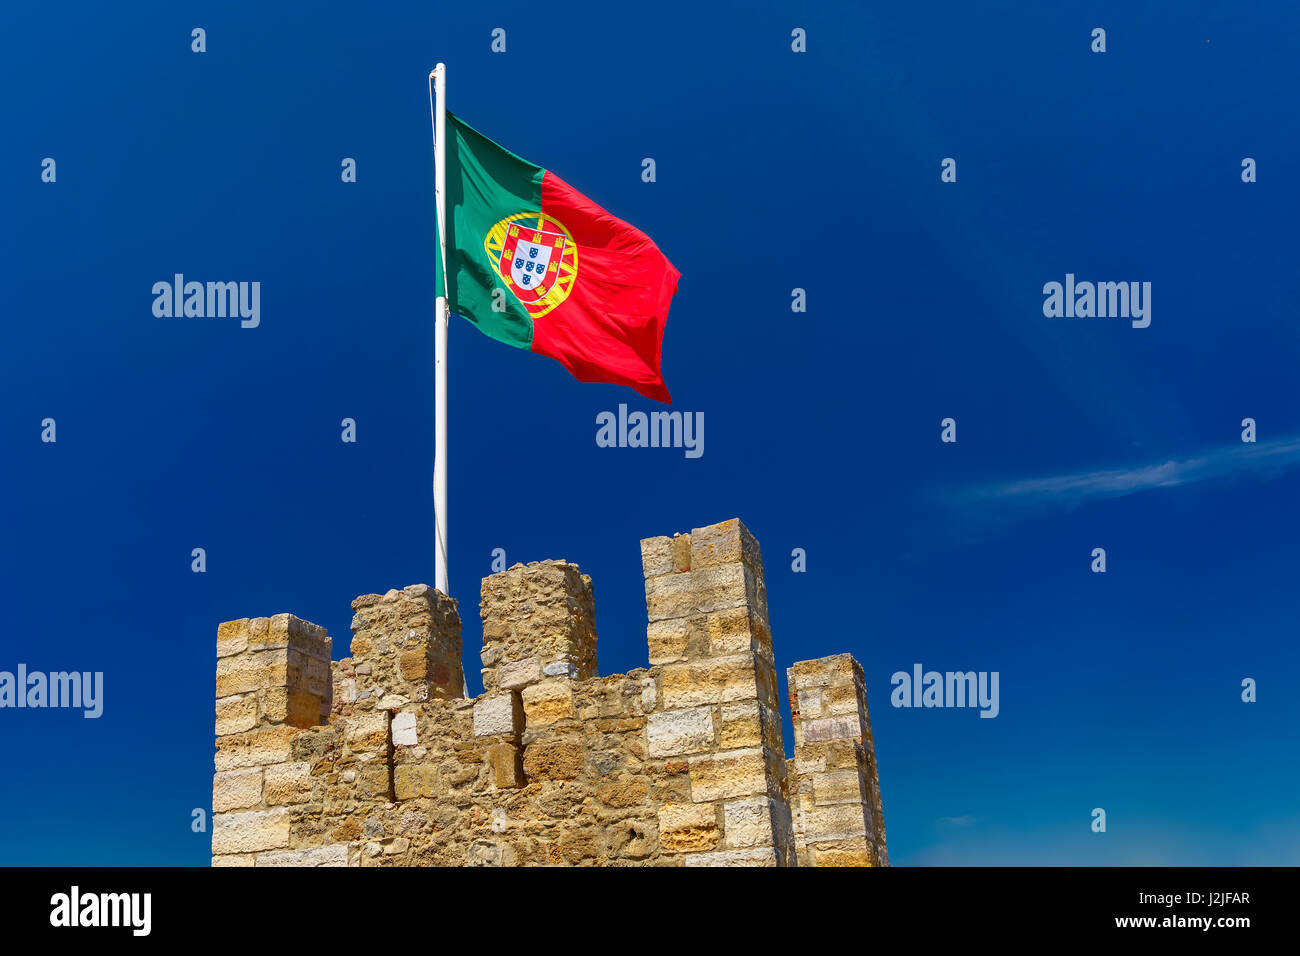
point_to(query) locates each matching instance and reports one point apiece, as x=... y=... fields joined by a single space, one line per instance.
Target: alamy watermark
x=653 y=430
x=949 y=689
x=1102 y=300
x=211 y=300
x=75 y=908
x=57 y=689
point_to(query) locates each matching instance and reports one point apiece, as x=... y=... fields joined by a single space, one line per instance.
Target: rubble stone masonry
x=380 y=760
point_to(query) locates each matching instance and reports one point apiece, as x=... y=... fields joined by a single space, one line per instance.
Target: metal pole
x=439 y=77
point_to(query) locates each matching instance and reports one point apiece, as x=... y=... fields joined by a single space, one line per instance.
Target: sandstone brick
x=254 y=748
x=368 y=733
x=232 y=637
x=280 y=706
x=404 y=730
x=656 y=556
x=681 y=548
x=288 y=783
x=670 y=596
x=414 y=664
x=739 y=773
x=552 y=761
x=724 y=587
x=747 y=822
x=712 y=681
x=518 y=674
x=809 y=674
x=502 y=714
x=236 y=714
x=674 y=732
x=236 y=789
x=250 y=831
x=288 y=630
x=809 y=703
x=762 y=857
x=252 y=671
x=854 y=853
x=741 y=725
x=841 y=700
x=547 y=702
x=313 y=856
x=415 y=780
x=728 y=542
x=507 y=766
x=733 y=631
x=833 y=823
x=668 y=640
x=688 y=827
x=831 y=728
x=837 y=786
x=623 y=793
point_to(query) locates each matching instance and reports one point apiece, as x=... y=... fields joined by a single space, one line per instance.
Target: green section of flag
x=485 y=184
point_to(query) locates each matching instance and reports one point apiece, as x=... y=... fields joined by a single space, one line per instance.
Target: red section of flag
x=611 y=326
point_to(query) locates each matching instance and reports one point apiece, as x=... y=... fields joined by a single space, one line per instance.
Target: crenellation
x=838 y=817
x=539 y=621
x=380 y=759
x=406 y=646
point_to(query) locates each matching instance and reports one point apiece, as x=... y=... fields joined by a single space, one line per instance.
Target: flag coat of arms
x=534 y=263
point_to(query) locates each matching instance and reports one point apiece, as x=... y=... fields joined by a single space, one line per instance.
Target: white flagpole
x=439 y=80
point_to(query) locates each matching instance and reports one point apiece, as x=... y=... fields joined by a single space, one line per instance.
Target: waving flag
x=536 y=264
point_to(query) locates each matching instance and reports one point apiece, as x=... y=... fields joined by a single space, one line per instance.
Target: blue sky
x=775 y=170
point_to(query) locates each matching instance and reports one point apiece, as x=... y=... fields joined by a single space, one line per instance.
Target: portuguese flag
x=536 y=264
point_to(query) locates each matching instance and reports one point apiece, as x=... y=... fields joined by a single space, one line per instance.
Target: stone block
x=254 y=748
x=502 y=714
x=669 y=640
x=739 y=773
x=688 y=827
x=675 y=732
x=236 y=789
x=368 y=732
x=837 y=786
x=288 y=783
x=232 y=637
x=415 y=780
x=847 y=853
x=404 y=730
x=507 y=766
x=761 y=857
x=712 y=681
x=250 y=831
x=336 y=855
x=831 y=728
x=833 y=823
x=236 y=713
x=516 y=675
x=747 y=823
x=728 y=542
x=552 y=761
x=656 y=556
x=547 y=702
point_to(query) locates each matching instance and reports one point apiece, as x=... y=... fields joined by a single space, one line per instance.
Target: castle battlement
x=381 y=760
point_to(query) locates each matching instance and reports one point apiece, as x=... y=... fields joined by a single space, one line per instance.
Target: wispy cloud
x=944 y=823
x=1261 y=459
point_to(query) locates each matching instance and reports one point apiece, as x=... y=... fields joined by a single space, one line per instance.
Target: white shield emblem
x=530 y=262
x=528 y=256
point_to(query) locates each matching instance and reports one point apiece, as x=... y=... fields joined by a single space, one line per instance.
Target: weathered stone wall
x=680 y=764
x=838 y=819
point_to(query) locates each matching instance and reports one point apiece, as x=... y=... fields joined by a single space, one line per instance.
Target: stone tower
x=381 y=760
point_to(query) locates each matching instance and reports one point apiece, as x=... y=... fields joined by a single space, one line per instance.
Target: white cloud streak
x=1262 y=459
